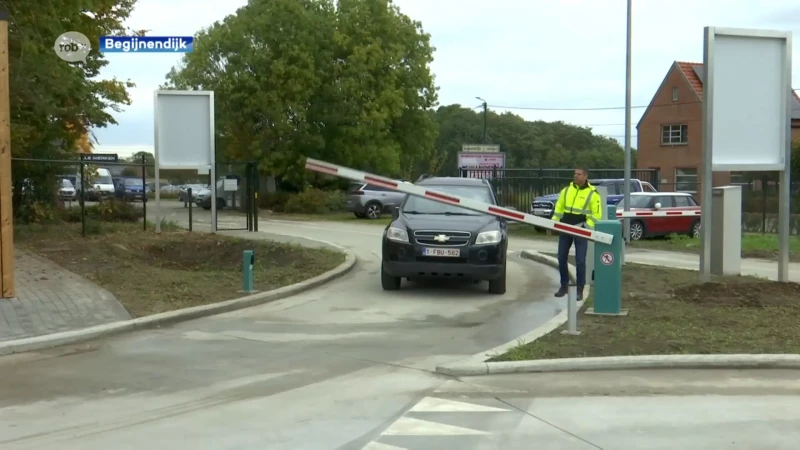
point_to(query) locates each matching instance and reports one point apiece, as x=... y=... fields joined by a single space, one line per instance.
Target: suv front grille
x=454 y=238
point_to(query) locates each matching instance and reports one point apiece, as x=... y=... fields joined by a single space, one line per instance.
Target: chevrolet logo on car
x=441 y=238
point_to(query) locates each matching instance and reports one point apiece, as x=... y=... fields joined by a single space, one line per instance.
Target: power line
x=599 y=108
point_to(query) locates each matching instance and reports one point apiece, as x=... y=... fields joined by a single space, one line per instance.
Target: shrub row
x=310 y=201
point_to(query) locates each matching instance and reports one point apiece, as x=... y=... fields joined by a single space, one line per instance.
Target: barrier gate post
x=608 y=271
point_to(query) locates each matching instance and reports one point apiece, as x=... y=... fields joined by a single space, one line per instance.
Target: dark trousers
x=565 y=242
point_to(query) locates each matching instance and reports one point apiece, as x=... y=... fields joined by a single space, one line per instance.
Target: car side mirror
x=395 y=213
x=658 y=205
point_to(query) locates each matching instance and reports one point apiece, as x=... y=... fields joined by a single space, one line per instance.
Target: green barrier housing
x=608 y=270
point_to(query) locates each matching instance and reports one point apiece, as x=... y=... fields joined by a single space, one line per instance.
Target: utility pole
x=626 y=230
x=7 y=288
x=485 y=111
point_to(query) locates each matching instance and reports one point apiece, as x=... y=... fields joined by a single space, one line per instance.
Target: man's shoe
x=561 y=292
x=580 y=293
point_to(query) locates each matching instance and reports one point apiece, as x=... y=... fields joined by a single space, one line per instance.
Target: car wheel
x=360 y=215
x=388 y=282
x=695 y=230
x=220 y=203
x=637 y=230
x=498 y=285
x=373 y=210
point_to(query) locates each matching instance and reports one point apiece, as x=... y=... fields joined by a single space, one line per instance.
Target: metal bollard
x=189 y=195
x=248 y=261
x=572 y=311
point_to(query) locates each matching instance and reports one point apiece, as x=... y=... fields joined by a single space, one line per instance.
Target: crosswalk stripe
x=409 y=426
x=380 y=446
x=431 y=404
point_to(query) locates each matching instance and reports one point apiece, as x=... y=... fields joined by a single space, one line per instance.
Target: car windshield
x=133 y=182
x=638 y=201
x=66 y=183
x=419 y=205
x=100 y=179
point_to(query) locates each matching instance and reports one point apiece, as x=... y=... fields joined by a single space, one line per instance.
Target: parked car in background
x=101 y=187
x=543 y=206
x=183 y=193
x=645 y=227
x=130 y=189
x=170 y=189
x=66 y=191
x=369 y=201
x=203 y=198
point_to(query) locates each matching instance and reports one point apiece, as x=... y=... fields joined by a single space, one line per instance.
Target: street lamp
x=485 y=108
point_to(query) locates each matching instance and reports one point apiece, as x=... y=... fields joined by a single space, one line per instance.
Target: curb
x=477 y=365
x=181 y=315
x=765 y=361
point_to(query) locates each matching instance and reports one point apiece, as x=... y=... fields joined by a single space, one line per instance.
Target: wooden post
x=6 y=215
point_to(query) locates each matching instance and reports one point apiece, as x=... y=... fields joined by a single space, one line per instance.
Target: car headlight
x=397 y=234
x=488 y=237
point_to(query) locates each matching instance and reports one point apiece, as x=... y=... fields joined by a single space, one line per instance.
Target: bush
x=106 y=211
x=315 y=201
x=274 y=201
x=37 y=212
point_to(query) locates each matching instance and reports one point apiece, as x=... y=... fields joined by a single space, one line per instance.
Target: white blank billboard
x=184 y=129
x=747 y=94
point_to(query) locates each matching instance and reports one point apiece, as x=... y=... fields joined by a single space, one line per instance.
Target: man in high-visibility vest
x=578 y=204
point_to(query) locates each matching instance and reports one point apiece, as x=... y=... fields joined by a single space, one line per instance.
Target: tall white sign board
x=184 y=138
x=747 y=95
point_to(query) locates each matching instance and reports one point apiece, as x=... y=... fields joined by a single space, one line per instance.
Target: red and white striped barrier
x=420 y=191
x=628 y=214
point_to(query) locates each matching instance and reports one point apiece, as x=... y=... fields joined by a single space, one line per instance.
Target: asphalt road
x=332 y=368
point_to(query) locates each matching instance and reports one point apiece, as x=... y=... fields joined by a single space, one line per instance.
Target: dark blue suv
x=429 y=239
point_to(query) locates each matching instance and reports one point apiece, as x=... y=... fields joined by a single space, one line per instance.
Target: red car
x=652 y=226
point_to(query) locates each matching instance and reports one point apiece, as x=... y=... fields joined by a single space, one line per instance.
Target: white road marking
x=408 y=426
x=431 y=404
x=297 y=337
x=378 y=446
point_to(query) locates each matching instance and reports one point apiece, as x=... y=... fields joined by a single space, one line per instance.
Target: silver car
x=370 y=201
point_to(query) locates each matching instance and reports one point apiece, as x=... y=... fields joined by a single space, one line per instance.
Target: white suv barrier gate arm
x=474 y=205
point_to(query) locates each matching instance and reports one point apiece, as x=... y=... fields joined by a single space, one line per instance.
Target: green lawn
x=670 y=312
x=753 y=245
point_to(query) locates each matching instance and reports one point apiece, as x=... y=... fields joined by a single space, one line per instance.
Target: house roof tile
x=695 y=74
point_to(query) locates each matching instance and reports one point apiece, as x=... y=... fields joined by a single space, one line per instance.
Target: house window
x=686 y=180
x=674 y=94
x=674 y=134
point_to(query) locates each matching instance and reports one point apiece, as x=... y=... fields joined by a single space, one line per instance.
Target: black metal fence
x=90 y=192
x=760 y=204
x=518 y=187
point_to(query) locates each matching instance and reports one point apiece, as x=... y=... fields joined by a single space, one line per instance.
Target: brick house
x=669 y=134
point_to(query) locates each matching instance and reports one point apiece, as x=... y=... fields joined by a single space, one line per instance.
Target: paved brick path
x=51 y=299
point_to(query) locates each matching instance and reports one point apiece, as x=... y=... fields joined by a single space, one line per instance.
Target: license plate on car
x=541 y=211
x=446 y=252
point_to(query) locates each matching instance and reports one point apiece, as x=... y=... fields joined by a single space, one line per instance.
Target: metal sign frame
x=735 y=73
x=209 y=168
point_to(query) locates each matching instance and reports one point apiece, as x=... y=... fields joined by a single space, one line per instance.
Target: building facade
x=670 y=134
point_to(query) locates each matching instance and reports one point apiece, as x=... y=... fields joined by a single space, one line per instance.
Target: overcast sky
x=557 y=54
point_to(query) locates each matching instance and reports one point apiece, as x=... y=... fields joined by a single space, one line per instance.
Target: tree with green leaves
x=348 y=82
x=526 y=144
x=54 y=104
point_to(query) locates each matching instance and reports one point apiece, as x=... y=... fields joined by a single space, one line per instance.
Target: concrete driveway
x=332 y=368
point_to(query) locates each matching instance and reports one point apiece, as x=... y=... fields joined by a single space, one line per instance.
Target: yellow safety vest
x=581 y=205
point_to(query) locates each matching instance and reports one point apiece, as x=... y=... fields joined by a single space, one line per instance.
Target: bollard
x=248 y=261
x=189 y=195
x=572 y=311
x=608 y=272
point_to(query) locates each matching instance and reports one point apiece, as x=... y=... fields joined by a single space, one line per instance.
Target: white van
x=102 y=186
